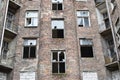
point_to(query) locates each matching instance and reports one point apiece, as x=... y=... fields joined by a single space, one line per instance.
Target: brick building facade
x=60 y=40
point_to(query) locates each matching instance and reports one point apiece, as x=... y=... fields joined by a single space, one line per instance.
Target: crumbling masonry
x=59 y=39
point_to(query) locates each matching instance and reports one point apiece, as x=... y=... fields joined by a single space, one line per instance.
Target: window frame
x=81 y=0
x=32 y=18
x=5 y=48
x=85 y=45
x=53 y=61
x=29 y=46
x=58 y=28
x=10 y=20
x=83 y=18
x=57 y=3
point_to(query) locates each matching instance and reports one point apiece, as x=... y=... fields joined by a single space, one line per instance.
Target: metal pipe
x=4 y=25
x=113 y=34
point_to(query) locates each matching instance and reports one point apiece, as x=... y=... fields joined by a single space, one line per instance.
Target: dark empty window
x=5 y=49
x=86 y=48
x=57 y=29
x=58 y=62
x=57 y=4
x=29 y=49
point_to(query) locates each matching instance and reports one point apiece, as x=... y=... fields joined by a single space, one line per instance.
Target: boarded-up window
x=27 y=76
x=90 y=76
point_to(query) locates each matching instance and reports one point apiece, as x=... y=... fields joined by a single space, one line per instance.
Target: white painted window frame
x=32 y=18
x=83 y=16
x=53 y=61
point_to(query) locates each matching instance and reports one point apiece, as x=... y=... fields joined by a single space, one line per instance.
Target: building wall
x=75 y=65
x=92 y=32
x=22 y=65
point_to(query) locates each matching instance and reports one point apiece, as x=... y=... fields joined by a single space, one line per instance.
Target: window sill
x=28 y=58
x=59 y=74
x=87 y=57
x=81 y=1
x=84 y=26
x=59 y=11
x=57 y=38
x=30 y=27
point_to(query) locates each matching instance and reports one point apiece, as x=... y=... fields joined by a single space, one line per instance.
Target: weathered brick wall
x=97 y=62
x=20 y=63
x=68 y=43
x=75 y=65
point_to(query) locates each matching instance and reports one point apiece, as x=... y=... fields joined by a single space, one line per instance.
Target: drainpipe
x=6 y=9
x=113 y=34
x=39 y=47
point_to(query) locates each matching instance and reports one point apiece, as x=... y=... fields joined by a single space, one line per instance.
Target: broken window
x=106 y=19
x=9 y=20
x=29 y=48
x=3 y=76
x=57 y=4
x=83 y=18
x=5 y=49
x=58 y=61
x=31 y=18
x=110 y=48
x=86 y=48
x=89 y=75
x=57 y=28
